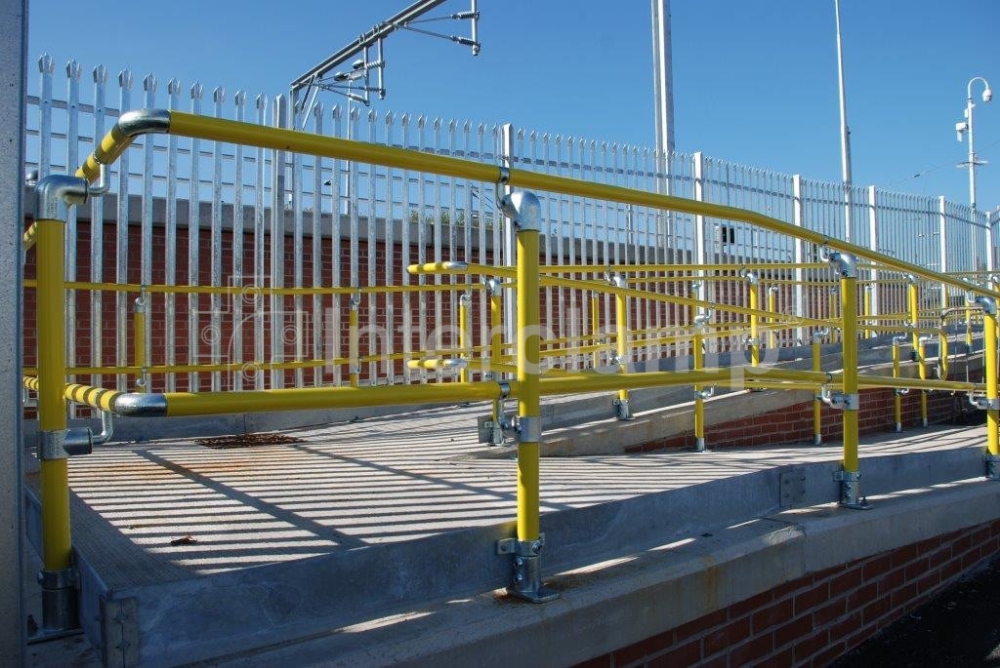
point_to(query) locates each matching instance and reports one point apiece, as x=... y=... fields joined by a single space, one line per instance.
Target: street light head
x=987 y=95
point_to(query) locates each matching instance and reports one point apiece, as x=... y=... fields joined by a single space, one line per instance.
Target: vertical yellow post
x=922 y=371
x=772 y=306
x=51 y=328
x=494 y=289
x=968 y=328
x=464 y=334
x=849 y=476
x=867 y=309
x=353 y=334
x=913 y=305
x=139 y=341
x=992 y=395
x=56 y=442
x=621 y=340
x=833 y=313
x=754 y=282
x=595 y=327
x=525 y=211
x=700 y=395
x=817 y=365
x=897 y=399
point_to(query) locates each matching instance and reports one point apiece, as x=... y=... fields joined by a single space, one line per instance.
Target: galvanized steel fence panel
x=208 y=212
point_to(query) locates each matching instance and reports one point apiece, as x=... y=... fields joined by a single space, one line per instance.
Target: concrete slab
x=222 y=550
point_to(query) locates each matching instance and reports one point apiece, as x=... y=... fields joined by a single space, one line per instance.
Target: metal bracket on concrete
x=529 y=429
x=622 y=410
x=984 y=403
x=850 y=488
x=63 y=443
x=527 y=569
x=120 y=633
x=993 y=467
x=792 y=485
x=493 y=431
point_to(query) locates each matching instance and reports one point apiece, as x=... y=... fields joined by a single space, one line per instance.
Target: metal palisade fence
x=199 y=213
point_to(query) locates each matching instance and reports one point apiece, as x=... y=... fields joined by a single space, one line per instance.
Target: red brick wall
x=815 y=619
x=795 y=423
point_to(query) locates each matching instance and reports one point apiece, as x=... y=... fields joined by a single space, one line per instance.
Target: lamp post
x=962 y=126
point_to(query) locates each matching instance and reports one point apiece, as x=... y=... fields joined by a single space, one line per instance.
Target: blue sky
x=755 y=81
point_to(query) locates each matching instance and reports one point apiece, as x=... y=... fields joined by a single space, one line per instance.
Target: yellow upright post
x=867 y=309
x=754 y=342
x=833 y=312
x=922 y=372
x=56 y=442
x=700 y=394
x=464 y=334
x=817 y=365
x=139 y=341
x=621 y=341
x=772 y=306
x=992 y=395
x=524 y=210
x=913 y=306
x=897 y=399
x=850 y=475
x=497 y=420
x=353 y=334
x=595 y=327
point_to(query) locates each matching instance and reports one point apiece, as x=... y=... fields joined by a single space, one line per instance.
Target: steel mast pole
x=845 y=132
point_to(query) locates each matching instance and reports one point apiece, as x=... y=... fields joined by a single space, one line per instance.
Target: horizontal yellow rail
x=217 y=129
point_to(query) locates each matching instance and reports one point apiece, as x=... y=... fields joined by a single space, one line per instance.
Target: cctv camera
x=960 y=127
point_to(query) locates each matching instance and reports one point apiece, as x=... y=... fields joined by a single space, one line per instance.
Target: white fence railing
x=197 y=212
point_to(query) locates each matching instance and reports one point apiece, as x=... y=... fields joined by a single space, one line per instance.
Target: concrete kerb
x=612 y=604
x=203 y=617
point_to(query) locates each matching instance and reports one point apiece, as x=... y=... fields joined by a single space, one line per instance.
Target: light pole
x=962 y=126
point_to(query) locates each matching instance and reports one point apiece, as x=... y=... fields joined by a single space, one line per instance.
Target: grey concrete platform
x=222 y=551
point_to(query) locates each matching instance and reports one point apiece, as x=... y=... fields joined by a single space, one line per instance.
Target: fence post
x=873 y=245
x=850 y=475
x=943 y=248
x=524 y=210
x=277 y=265
x=56 y=442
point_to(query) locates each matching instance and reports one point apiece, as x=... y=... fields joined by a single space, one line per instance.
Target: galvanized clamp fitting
x=751 y=277
x=820 y=334
x=617 y=280
x=493 y=286
x=702 y=319
x=529 y=429
x=63 y=443
x=838 y=400
x=752 y=341
x=989 y=304
x=844 y=264
x=902 y=390
x=504 y=390
x=993 y=467
x=984 y=403
x=67 y=578
x=521 y=548
x=524 y=210
x=704 y=394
